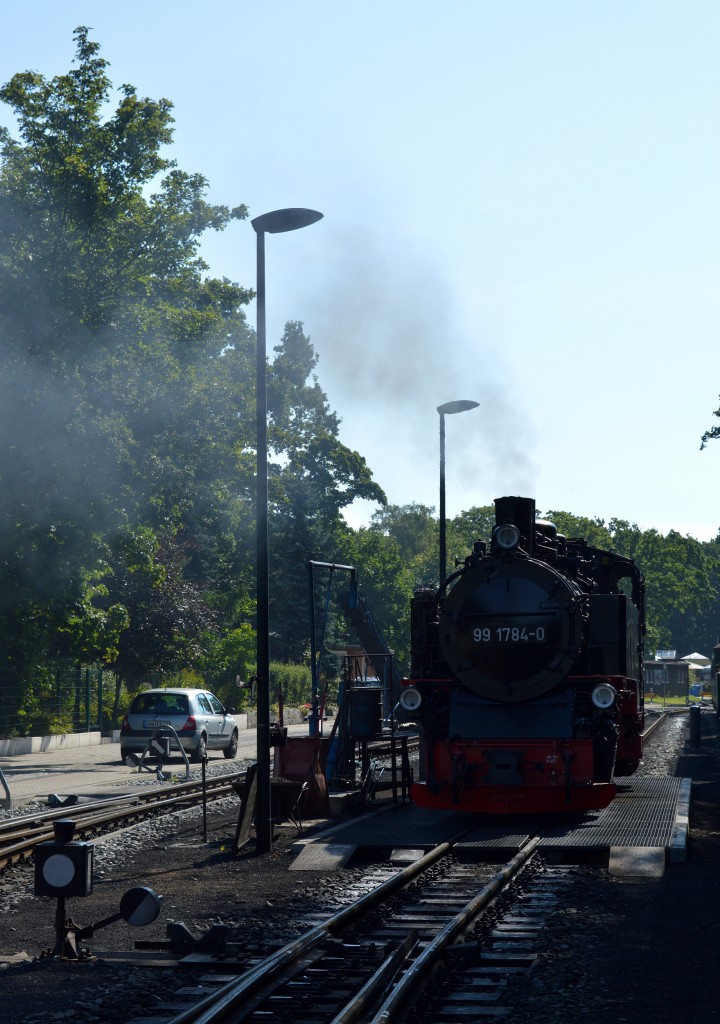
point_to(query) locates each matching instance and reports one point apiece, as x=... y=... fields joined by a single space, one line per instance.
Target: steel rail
x=378 y=982
x=653 y=725
x=99 y=813
x=23 y=823
x=214 y=1007
x=419 y=971
x=235 y=1000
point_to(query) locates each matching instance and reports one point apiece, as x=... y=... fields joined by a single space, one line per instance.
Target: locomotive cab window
x=623 y=586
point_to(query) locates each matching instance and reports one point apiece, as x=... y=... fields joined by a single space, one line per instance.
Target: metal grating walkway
x=644 y=813
x=647 y=814
x=506 y=836
x=406 y=825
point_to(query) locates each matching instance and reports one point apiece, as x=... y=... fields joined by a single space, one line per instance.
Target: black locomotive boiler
x=526 y=673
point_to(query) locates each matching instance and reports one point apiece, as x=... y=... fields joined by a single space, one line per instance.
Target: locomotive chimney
x=521 y=512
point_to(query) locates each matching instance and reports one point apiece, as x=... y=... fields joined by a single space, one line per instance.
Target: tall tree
x=414 y=530
x=127 y=401
x=711 y=434
x=109 y=330
x=386 y=581
x=317 y=477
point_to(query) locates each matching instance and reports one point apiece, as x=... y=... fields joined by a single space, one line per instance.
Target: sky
x=521 y=207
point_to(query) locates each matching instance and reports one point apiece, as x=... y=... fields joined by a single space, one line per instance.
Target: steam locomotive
x=526 y=673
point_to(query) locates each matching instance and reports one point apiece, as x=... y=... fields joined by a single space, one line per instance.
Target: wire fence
x=63 y=699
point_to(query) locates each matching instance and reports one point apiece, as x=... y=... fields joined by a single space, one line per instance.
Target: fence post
x=76 y=708
x=100 y=699
x=87 y=700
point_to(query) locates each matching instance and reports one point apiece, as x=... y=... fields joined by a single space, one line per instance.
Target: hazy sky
x=521 y=207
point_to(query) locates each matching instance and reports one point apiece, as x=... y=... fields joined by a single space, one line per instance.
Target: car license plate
x=153 y=723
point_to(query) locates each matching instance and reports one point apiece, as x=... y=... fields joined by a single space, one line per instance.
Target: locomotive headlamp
x=506 y=537
x=603 y=696
x=410 y=698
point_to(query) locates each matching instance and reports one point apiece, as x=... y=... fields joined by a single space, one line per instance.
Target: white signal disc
x=58 y=870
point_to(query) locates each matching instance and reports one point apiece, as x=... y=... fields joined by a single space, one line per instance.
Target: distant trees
x=682 y=574
x=711 y=434
x=682 y=579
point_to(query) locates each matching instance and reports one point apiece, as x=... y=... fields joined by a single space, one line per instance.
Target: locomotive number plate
x=498 y=634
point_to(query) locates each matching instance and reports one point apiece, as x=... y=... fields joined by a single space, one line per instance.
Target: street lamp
x=462 y=405
x=272 y=223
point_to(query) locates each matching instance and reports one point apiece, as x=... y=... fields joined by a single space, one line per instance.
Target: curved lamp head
x=462 y=405
x=285 y=220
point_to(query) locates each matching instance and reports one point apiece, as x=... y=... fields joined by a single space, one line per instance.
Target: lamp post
x=272 y=223
x=462 y=405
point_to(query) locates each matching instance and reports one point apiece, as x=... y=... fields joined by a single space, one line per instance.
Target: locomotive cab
x=526 y=672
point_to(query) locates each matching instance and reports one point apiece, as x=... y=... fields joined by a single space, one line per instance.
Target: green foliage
x=52 y=724
x=294 y=681
x=127 y=406
x=414 y=533
x=318 y=477
x=387 y=582
x=229 y=660
x=112 y=339
x=94 y=631
x=682 y=579
x=594 y=531
x=81 y=230
x=55 y=702
x=127 y=412
x=467 y=528
x=712 y=433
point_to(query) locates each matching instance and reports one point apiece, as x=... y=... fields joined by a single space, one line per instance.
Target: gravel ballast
x=617 y=949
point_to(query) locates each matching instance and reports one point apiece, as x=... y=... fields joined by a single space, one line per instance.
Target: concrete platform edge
x=677 y=850
x=39 y=744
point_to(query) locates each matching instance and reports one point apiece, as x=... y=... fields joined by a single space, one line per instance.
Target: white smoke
x=393 y=347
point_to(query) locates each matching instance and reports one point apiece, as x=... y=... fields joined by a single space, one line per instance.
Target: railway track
x=654 y=724
x=370 y=959
x=20 y=835
x=351 y=964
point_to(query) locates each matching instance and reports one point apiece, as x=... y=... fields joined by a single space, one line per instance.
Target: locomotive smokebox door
x=63 y=867
x=511 y=630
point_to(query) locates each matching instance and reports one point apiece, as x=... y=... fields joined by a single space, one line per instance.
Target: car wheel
x=124 y=754
x=230 y=750
x=199 y=752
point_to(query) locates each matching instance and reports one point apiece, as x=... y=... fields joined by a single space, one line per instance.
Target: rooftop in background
x=699 y=658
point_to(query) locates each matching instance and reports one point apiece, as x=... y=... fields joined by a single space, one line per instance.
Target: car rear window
x=160 y=704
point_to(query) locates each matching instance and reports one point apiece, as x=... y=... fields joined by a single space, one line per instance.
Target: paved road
x=93 y=772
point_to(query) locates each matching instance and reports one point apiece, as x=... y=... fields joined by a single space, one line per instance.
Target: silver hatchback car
x=197 y=716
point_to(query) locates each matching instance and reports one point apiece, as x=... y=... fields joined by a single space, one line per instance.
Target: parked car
x=197 y=716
